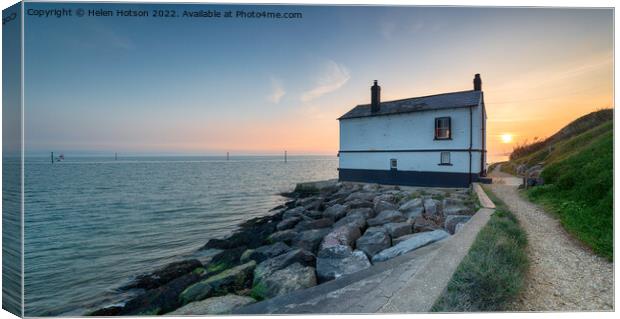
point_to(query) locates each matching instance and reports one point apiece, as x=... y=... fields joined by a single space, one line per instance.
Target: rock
x=106 y=312
x=311 y=203
x=283 y=281
x=457 y=210
x=231 y=280
x=294 y=212
x=459 y=197
x=159 y=300
x=339 y=260
x=421 y=224
x=414 y=213
x=342 y=193
x=344 y=235
x=396 y=241
x=363 y=212
x=288 y=223
x=387 y=216
x=197 y=291
x=311 y=188
x=382 y=205
x=532 y=176
x=285 y=236
x=412 y=208
x=375 y=229
x=431 y=208
x=213 y=306
x=462 y=191
x=310 y=239
x=362 y=196
x=269 y=266
x=279 y=208
x=245 y=257
x=314 y=214
x=265 y=252
x=334 y=201
x=253 y=234
x=370 y=187
x=452 y=206
x=224 y=260
x=164 y=275
x=373 y=241
x=453 y=220
x=458 y=227
x=416 y=241
x=314 y=224
x=386 y=197
x=356 y=219
x=336 y=211
x=358 y=203
x=398 y=229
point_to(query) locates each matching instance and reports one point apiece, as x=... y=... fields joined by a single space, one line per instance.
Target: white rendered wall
x=410 y=131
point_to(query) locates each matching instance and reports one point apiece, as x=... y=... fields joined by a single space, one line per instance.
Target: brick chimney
x=477 y=83
x=375 y=98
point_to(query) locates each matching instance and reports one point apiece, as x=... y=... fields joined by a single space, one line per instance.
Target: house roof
x=417 y=104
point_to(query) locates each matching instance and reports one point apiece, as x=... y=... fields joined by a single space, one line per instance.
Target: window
x=442 y=128
x=445 y=158
x=393 y=164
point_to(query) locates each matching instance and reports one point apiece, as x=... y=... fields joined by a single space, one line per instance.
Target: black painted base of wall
x=407 y=178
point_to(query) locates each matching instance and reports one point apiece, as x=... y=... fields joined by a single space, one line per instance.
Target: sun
x=506 y=138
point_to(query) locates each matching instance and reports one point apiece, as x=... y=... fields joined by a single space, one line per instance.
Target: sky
x=201 y=86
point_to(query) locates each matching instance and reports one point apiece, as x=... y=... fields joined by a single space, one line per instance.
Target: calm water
x=94 y=223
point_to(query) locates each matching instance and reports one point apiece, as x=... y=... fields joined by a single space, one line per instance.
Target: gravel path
x=564 y=275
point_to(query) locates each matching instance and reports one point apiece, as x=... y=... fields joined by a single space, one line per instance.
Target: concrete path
x=421 y=290
x=564 y=275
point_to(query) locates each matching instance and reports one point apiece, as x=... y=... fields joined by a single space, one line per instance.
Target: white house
x=436 y=140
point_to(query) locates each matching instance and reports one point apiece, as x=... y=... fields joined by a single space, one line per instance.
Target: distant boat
x=60 y=158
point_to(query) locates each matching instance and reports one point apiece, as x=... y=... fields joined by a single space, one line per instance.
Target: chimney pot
x=477 y=82
x=375 y=97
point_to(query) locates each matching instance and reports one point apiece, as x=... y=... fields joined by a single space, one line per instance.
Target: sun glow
x=506 y=138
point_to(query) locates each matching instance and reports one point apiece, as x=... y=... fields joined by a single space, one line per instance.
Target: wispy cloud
x=277 y=91
x=333 y=77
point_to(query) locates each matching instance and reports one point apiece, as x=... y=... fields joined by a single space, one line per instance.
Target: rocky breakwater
x=327 y=230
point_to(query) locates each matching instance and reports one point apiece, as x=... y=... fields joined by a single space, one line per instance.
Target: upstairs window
x=443 y=129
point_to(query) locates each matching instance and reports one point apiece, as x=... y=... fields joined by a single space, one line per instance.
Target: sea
x=94 y=223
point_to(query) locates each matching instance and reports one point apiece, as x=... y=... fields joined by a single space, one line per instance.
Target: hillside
x=554 y=147
x=578 y=178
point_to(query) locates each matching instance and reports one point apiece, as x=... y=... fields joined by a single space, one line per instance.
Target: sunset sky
x=260 y=86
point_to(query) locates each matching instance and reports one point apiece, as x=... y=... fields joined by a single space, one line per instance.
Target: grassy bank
x=578 y=178
x=579 y=189
x=493 y=271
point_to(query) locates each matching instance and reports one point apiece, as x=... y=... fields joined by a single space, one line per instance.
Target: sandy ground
x=564 y=275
